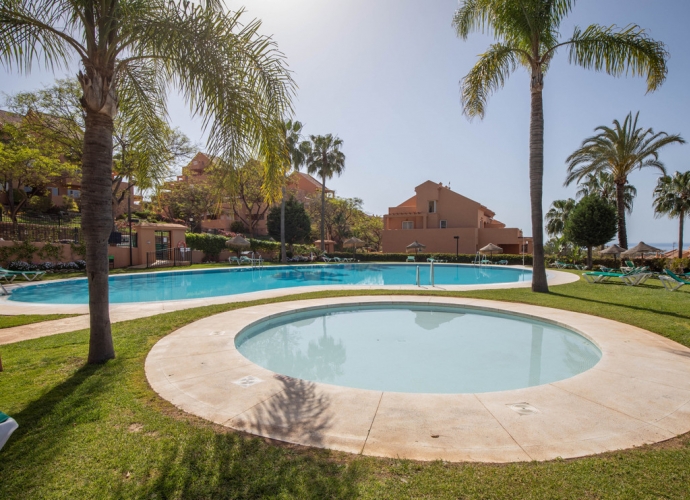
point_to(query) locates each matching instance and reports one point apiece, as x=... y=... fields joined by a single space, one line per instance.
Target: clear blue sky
x=383 y=75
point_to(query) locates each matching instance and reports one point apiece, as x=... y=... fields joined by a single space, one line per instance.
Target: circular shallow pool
x=181 y=285
x=417 y=348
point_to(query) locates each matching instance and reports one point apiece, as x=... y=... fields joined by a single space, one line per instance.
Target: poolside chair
x=672 y=281
x=629 y=266
x=326 y=258
x=2 y=287
x=337 y=259
x=502 y=262
x=634 y=278
x=244 y=260
x=410 y=258
x=7 y=426
x=9 y=276
x=234 y=260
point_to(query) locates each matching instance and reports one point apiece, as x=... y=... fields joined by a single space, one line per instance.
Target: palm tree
x=557 y=216
x=619 y=150
x=132 y=50
x=298 y=153
x=528 y=36
x=602 y=185
x=672 y=198
x=325 y=160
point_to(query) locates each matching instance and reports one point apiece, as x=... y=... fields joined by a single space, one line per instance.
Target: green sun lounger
x=9 y=276
x=634 y=278
x=672 y=281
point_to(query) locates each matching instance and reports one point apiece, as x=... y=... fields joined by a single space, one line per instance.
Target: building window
x=74 y=193
x=53 y=191
x=408 y=224
x=444 y=224
x=432 y=206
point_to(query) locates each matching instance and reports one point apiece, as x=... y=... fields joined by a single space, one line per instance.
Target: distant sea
x=663 y=246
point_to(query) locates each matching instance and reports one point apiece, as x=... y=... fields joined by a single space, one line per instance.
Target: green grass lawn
x=101 y=432
x=25 y=319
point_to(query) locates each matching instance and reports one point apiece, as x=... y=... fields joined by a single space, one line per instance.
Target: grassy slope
x=101 y=432
x=25 y=319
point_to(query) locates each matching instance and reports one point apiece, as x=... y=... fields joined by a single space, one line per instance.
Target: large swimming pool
x=417 y=348
x=180 y=285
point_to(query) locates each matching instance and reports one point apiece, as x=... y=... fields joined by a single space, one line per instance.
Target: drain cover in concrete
x=523 y=408
x=247 y=381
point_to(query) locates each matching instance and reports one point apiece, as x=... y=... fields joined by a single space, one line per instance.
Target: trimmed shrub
x=210 y=244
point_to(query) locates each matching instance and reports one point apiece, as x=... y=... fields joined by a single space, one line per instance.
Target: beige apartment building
x=444 y=220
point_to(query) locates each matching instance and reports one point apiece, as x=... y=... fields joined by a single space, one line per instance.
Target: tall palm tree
x=602 y=185
x=619 y=150
x=672 y=198
x=325 y=159
x=558 y=215
x=136 y=51
x=297 y=150
x=528 y=35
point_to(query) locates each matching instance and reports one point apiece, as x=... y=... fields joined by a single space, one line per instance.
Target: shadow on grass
x=627 y=306
x=217 y=464
x=46 y=423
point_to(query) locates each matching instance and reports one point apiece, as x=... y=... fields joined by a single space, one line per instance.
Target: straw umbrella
x=238 y=243
x=354 y=243
x=491 y=248
x=614 y=250
x=641 y=248
x=416 y=246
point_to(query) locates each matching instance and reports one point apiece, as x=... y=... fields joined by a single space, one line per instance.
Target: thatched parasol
x=237 y=243
x=353 y=243
x=491 y=248
x=641 y=248
x=416 y=246
x=614 y=250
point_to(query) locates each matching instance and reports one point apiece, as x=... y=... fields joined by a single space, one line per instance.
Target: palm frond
x=488 y=75
x=628 y=51
x=42 y=31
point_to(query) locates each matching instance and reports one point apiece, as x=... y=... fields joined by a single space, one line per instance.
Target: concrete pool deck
x=638 y=393
x=129 y=311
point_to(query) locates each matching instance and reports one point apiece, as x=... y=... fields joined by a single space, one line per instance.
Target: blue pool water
x=179 y=285
x=416 y=348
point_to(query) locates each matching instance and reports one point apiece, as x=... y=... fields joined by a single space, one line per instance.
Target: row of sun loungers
x=634 y=276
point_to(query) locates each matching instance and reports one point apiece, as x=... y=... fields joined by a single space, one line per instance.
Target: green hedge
x=210 y=244
x=422 y=257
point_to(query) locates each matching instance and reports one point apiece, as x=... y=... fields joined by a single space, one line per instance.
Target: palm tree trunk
x=283 y=253
x=323 y=213
x=97 y=222
x=620 y=206
x=680 y=234
x=536 y=176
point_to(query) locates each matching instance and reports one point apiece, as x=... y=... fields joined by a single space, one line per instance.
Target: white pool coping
x=638 y=393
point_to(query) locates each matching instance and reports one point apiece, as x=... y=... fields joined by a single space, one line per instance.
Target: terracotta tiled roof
x=9 y=117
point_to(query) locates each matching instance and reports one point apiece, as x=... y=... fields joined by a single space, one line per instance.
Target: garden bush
x=210 y=244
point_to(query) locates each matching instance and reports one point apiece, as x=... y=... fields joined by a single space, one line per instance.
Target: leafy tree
x=591 y=223
x=133 y=51
x=619 y=150
x=325 y=159
x=369 y=229
x=292 y=222
x=339 y=216
x=245 y=188
x=298 y=150
x=558 y=215
x=672 y=198
x=26 y=167
x=181 y=201
x=527 y=33
x=144 y=153
x=602 y=184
